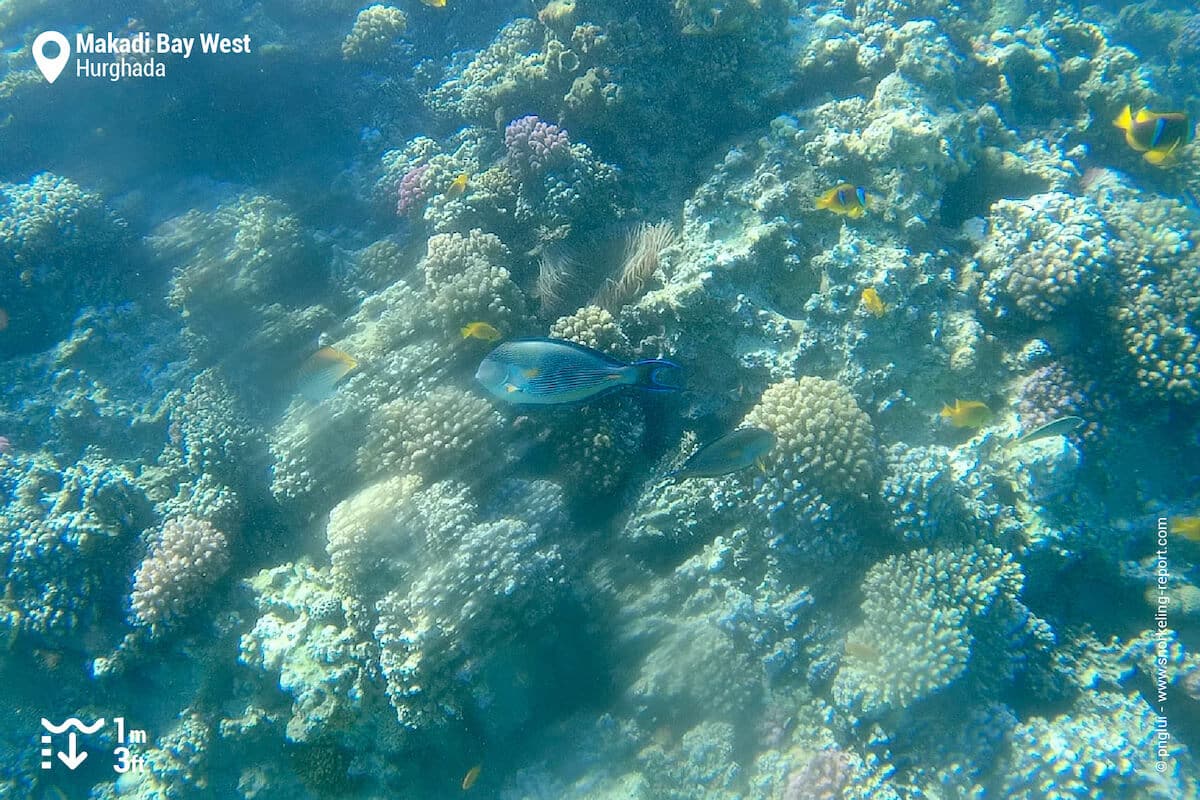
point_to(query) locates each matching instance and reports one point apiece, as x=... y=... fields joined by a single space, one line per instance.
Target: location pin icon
x=51 y=67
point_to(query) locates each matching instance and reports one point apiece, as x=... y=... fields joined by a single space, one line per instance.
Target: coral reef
x=432 y=435
x=1107 y=741
x=1043 y=254
x=186 y=556
x=823 y=439
x=246 y=274
x=374 y=33
x=924 y=613
x=57 y=243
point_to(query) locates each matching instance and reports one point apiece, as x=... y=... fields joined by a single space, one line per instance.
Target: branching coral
x=430 y=436
x=823 y=439
x=467 y=281
x=1043 y=255
x=186 y=557
x=57 y=247
x=452 y=640
x=246 y=274
x=62 y=532
x=1107 y=744
x=324 y=665
x=374 y=33
x=922 y=612
x=594 y=327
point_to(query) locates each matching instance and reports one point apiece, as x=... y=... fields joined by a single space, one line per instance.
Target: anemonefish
x=846 y=199
x=1157 y=135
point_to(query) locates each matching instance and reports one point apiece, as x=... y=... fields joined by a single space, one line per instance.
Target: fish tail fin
x=653 y=374
x=1124 y=120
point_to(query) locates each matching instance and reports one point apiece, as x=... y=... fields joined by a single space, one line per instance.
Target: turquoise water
x=275 y=524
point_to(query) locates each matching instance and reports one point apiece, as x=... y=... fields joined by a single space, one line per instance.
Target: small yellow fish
x=1157 y=135
x=1187 y=527
x=322 y=371
x=872 y=302
x=458 y=185
x=480 y=330
x=967 y=414
x=472 y=775
x=846 y=199
x=435 y=3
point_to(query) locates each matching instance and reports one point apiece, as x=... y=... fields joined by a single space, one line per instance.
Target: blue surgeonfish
x=732 y=452
x=555 y=371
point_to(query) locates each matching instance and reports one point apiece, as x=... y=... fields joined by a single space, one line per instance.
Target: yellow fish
x=1187 y=527
x=435 y=3
x=846 y=199
x=1157 y=135
x=472 y=775
x=458 y=185
x=322 y=371
x=872 y=302
x=480 y=330
x=967 y=414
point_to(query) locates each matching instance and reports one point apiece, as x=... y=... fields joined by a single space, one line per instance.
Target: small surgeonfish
x=1157 y=135
x=846 y=199
x=322 y=371
x=554 y=371
x=732 y=452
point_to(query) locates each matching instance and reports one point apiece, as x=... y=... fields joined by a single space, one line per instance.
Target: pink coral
x=186 y=557
x=412 y=189
x=534 y=145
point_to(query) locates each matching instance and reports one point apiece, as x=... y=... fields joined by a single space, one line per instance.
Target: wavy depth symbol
x=72 y=722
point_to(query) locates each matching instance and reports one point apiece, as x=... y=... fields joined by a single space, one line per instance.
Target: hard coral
x=186 y=557
x=374 y=33
x=534 y=145
x=823 y=438
x=922 y=612
x=1043 y=254
x=59 y=246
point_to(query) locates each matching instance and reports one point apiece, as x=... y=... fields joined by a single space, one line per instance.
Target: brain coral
x=1043 y=254
x=186 y=557
x=920 y=611
x=823 y=438
x=374 y=33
